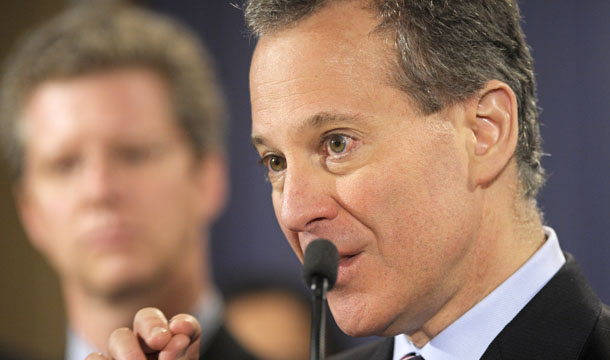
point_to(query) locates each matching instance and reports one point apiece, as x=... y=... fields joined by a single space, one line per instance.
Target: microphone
x=320 y=275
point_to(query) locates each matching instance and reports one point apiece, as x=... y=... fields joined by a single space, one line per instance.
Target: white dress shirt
x=468 y=337
x=208 y=311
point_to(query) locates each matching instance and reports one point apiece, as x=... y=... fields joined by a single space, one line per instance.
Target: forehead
x=120 y=95
x=111 y=108
x=111 y=84
x=329 y=62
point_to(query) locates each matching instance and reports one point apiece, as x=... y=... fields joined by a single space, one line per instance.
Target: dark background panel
x=571 y=49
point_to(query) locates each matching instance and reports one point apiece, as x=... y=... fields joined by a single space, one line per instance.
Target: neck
x=510 y=233
x=94 y=315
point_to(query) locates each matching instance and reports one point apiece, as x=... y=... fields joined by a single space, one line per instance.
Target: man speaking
x=406 y=132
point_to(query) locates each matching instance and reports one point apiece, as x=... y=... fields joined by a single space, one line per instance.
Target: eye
x=136 y=154
x=339 y=147
x=337 y=143
x=64 y=165
x=274 y=163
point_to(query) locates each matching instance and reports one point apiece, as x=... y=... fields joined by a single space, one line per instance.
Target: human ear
x=495 y=128
x=212 y=183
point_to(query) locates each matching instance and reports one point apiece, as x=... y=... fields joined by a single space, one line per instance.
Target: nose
x=306 y=198
x=99 y=181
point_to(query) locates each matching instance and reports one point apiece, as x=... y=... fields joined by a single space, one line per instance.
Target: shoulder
x=598 y=342
x=379 y=350
x=565 y=320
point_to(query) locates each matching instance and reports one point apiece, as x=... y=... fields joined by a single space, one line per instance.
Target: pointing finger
x=187 y=325
x=151 y=326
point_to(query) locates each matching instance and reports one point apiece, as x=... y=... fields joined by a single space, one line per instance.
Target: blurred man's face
x=351 y=160
x=111 y=191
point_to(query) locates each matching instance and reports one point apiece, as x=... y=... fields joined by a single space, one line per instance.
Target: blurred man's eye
x=63 y=166
x=138 y=154
x=135 y=154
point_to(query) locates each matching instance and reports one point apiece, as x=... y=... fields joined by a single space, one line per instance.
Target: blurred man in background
x=114 y=129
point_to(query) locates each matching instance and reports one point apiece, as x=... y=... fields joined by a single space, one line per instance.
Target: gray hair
x=446 y=51
x=97 y=37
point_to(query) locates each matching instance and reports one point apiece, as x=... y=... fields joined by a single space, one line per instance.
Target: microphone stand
x=319 y=287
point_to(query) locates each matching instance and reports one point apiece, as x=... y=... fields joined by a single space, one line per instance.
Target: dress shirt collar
x=208 y=311
x=77 y=348
x=469 y=336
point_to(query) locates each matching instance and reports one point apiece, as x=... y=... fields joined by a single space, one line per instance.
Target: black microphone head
x=321 y=259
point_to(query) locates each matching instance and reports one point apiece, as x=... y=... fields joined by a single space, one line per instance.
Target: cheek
x=434 y=215
x=52 y=213
x=52 y=227
x=410 y=202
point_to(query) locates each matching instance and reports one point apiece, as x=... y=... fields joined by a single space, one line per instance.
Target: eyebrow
x=317 y=120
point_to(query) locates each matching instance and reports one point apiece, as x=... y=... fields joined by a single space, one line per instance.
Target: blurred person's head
x=114 y=126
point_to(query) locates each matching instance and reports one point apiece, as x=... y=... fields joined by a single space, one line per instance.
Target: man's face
x=110 y=191
x=351 y=160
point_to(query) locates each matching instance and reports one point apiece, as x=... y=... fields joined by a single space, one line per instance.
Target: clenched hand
x=154 y=337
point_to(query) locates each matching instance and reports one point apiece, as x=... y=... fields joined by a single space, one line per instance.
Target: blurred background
x=571 y=48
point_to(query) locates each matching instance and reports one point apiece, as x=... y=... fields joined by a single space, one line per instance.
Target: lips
x=348 y=267
x=346 y=260
x=345 y=250
x=110 y=237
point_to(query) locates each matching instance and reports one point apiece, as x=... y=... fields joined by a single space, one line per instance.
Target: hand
x=153 y=337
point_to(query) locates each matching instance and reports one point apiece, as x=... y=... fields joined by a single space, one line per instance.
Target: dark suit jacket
x=224 y=347
x=565 y=320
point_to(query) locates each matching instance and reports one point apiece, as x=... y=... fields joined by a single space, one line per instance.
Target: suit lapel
x=554 y=324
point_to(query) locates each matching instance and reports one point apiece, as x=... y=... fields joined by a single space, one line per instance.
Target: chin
x=118 y=289
x=117 y=280
x=358 y=317
x=360 y=325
